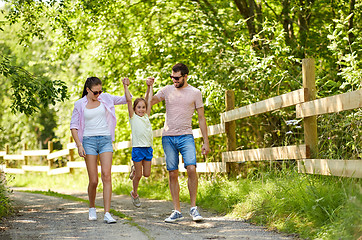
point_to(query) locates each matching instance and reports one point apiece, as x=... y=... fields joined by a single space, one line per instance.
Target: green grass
x=312 y=206
x=5 y=205
x=77 y=181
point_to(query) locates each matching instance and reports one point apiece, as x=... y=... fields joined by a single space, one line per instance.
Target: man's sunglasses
x=176 y=78
x=96 y=92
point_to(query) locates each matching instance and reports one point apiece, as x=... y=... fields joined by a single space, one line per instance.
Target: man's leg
x=192 y=183
x=172 y=160
x=174 y=189
x=188 y=152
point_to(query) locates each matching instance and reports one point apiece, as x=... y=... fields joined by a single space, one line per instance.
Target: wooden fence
x=307 y=107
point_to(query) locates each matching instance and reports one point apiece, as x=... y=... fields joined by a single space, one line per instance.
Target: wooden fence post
x=310 y=123
x=25 y=147
x=7 y=147
x=50 y=148
x=71 y=154
x=230 y=127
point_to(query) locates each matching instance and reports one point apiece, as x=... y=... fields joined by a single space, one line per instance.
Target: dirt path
x=45 y=217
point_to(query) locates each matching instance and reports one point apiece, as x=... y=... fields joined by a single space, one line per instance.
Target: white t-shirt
x=180 y=107
x=95 y=122
x=142 y=135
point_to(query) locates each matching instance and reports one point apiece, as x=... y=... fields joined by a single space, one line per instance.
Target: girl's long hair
x=89 y=83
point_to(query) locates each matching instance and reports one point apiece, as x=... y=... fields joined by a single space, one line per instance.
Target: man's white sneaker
x=175 y=216
x=108 y=218
x=92 y=214
x=195 y=215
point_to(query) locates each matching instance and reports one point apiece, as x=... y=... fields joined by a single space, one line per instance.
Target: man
x=181 y=101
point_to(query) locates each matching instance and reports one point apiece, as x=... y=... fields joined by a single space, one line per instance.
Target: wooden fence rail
x=307 y=107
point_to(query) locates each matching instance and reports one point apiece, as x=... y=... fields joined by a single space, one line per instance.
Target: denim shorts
x=142 y=153
x=94 y=145
x=173 y=145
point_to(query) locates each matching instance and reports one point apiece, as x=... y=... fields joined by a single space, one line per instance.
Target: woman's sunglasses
x=176 y=78
x=96 y=92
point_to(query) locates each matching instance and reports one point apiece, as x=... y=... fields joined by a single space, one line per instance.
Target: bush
x=5 y=203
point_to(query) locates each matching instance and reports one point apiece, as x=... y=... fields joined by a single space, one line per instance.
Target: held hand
x=81 y=152
x=126 y=81
x=150 y=81
x=205 y=149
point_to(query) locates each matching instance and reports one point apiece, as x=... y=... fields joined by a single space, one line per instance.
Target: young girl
x=142 y=136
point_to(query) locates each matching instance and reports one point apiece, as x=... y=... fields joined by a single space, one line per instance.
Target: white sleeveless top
x=95 y=122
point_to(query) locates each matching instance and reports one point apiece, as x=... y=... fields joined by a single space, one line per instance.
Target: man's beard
x=181 y=84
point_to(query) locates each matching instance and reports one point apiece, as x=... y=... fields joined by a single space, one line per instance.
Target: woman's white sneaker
x=108 y=218
x=92 y=214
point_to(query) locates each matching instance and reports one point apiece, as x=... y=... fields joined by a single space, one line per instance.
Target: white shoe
x=195 y=215
x=108 y=218
x=92 y=214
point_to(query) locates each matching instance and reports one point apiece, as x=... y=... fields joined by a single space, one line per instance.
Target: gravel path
x=46 y=217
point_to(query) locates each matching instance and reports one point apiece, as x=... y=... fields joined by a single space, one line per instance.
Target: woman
x=93 y=126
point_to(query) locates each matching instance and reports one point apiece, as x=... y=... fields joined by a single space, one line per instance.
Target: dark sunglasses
x=96 y=92
x=176 y=78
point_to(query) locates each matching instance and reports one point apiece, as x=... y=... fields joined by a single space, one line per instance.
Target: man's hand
x=205 y=149
x=150 y=81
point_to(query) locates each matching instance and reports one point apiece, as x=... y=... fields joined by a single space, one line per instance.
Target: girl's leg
x=92 y=169
x=106 y=166
x=137 y=177
x=146 y=168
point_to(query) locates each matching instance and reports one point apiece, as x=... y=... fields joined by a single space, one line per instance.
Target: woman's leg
x=106 y=166
x=92 y=169
x=137 y=177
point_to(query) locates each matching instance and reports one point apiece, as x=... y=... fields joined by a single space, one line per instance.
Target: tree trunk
x=248 y=15
x=350 y=21
x=287 y=22
x=303 y=22
x=251 y=11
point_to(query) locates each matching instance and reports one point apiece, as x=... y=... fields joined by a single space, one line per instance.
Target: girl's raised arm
x=149 y=93
x=126 y=83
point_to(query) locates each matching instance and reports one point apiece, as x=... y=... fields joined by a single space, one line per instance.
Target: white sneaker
x=195 y=215
x=92 y=214
x=108 y=218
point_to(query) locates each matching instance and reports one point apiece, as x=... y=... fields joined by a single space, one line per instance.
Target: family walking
x=93 y=125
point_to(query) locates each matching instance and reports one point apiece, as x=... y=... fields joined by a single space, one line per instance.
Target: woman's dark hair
x=180 y=67
x=137 y=101
x=89 y=83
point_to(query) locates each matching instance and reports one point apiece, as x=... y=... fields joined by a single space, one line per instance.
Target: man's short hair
x=180 y=67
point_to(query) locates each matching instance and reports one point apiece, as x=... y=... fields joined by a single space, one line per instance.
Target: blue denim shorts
x=94 y=145
x=173 y=145
x=142 y=153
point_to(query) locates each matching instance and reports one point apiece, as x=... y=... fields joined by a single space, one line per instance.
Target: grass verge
x=5 y=204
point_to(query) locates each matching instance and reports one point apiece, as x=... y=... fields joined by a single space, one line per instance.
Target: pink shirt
x=108 y=100
x=180 y=107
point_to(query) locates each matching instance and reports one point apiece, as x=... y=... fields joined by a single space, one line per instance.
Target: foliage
x=138 y=39
x=6 y=207
x=29 y=92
